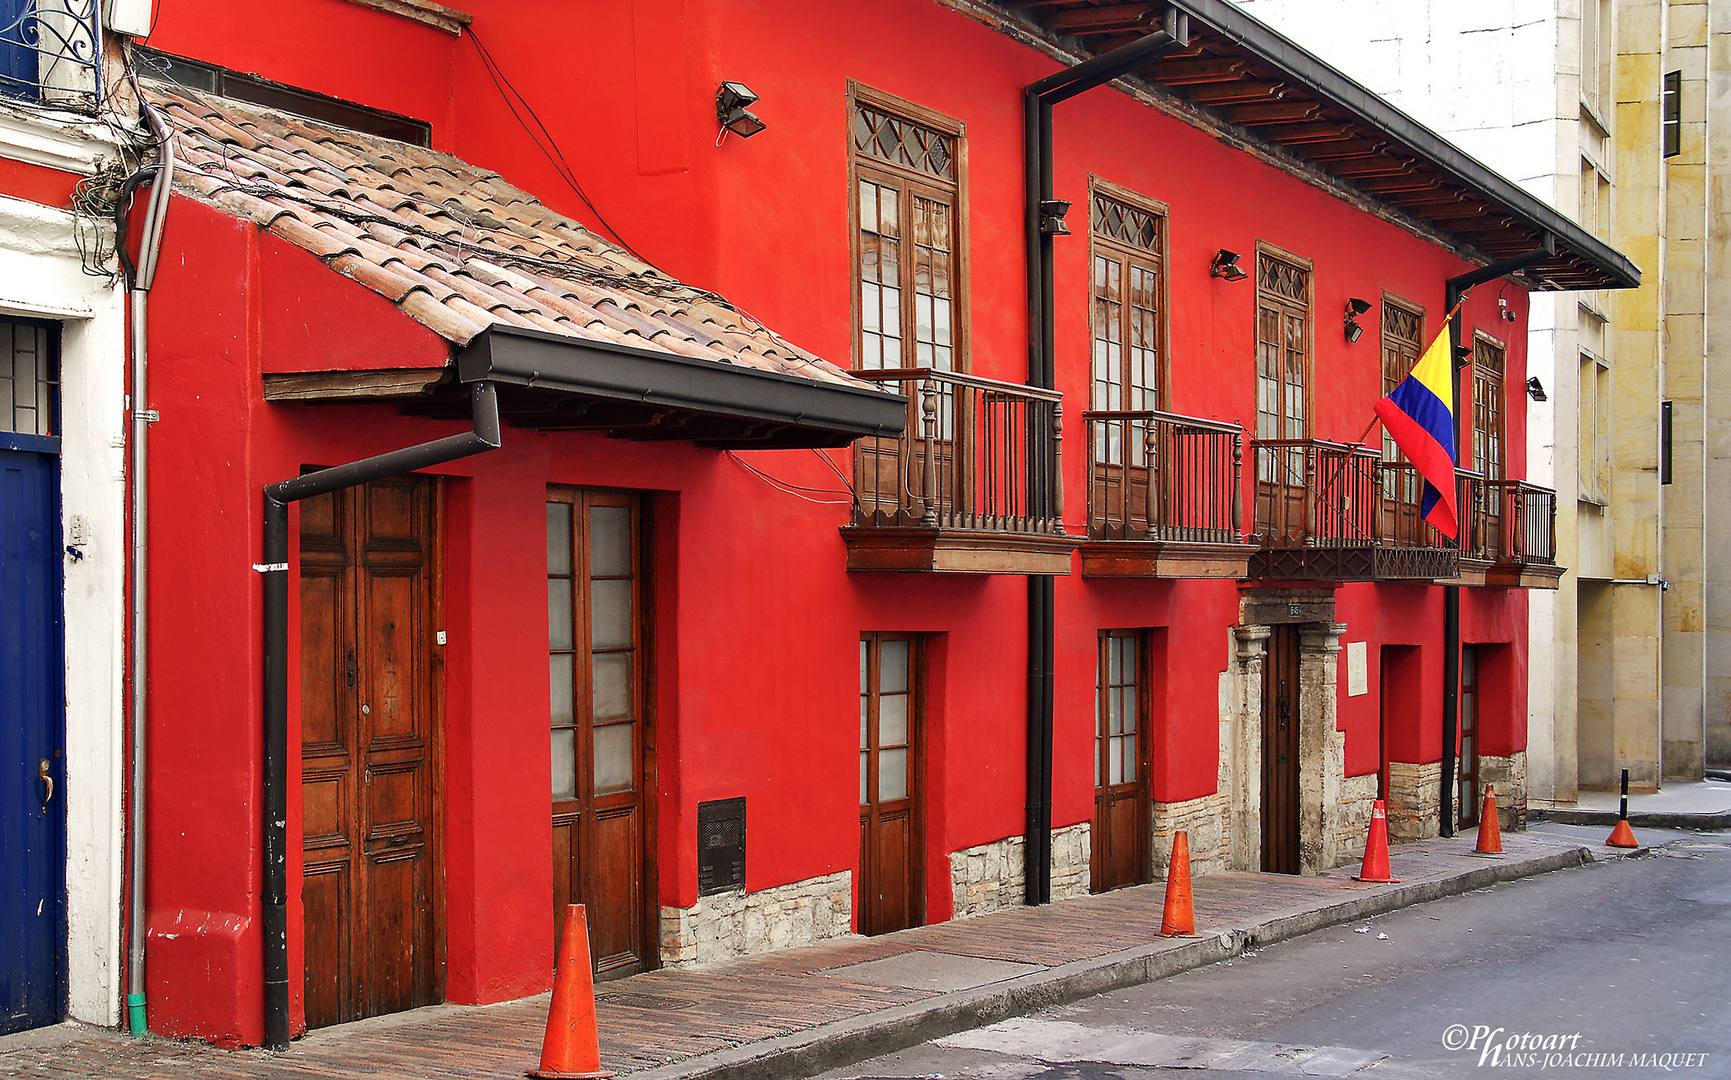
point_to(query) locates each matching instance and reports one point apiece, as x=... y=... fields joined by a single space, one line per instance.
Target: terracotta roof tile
x=455 y=247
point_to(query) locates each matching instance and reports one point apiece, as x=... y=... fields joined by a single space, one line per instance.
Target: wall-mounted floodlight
x=1225 y=265
x=1052 y=213
x=1354 y=308
x=730 y=108
x=1536 y=389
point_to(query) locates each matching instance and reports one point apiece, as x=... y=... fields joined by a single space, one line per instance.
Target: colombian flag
x=1418 y=414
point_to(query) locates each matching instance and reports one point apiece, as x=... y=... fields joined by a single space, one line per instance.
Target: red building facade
x=1248 y=630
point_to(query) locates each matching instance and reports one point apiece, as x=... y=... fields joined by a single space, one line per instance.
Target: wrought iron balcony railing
x=50 y=53
x=1508 y=522
x=1163 y=477
x=1312 y=493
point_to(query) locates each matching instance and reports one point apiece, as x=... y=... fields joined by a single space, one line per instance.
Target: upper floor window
x=1593 y=431
x=29 y=377
x=907 y=173
x=1596 y=55
x=1282 y=347
x=1402 y=342
x=1488 y=408
x=1129 y=308
x=48 y=52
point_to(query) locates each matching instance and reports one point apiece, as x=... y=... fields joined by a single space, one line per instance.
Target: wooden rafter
x=1101 y=20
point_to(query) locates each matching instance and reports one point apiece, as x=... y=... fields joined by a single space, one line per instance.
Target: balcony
x=971 y=486
x=1163 y=497
x=1330 y=512
x=1509 y=534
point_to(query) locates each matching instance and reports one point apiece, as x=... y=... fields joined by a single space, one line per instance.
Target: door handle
x=47 y=782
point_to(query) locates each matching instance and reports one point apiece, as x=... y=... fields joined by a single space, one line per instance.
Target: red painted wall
x=757 y=619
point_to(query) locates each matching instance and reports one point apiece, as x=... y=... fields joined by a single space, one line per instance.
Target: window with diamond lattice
x=907 y=193
x=1128 y=307
x=1402 y=341
x=1282 y=364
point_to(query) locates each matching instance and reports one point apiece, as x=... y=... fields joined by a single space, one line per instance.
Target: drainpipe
x=140 y=277
x=1045 y=219
x=484 y=404
x=1458 y=287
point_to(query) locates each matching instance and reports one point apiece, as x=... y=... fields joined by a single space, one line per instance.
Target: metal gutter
x=1335 y=88
x=528 y=358
x=484 y=404
x=1042 y=221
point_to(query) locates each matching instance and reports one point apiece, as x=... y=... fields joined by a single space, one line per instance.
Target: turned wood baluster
x=1153 y=475
x=1057 y=467
x=929 y=473
x=1237 y=486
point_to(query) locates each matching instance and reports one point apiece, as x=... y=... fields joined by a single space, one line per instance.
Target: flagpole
x=1455 y=404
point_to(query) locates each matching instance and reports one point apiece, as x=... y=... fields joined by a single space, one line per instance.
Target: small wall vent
x=720 y=846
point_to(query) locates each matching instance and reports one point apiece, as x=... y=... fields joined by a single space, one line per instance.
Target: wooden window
x=1118 y=708
x=907 y=243
x=29 y=377
x=890 y=714
x=1488 y=408
x=1402 y=343
x=1282 y=361
x=1128 y=314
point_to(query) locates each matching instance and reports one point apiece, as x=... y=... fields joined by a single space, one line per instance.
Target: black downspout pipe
x=485 y=405
x=1457 y=287
x=1039 y=97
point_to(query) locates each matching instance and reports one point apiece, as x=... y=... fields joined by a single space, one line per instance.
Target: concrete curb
x=843 y=1042
x=1719 y=822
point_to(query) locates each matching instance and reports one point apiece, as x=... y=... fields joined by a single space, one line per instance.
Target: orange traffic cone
x=1490 y=830
x=1180 y=917
x=572 y=1048
x=1622 y=835
x=1375 y=867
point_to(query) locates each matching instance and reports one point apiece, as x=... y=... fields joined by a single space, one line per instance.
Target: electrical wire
x=796 y=490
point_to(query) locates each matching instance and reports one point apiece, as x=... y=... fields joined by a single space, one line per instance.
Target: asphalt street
x=1615 y=969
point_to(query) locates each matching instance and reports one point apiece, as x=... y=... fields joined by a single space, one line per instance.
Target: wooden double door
x=602 y=746
x=370 y=735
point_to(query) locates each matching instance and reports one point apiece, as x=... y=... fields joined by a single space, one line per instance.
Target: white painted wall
x=41 y=275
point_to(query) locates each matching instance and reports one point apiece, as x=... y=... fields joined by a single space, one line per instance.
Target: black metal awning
x=548 y=382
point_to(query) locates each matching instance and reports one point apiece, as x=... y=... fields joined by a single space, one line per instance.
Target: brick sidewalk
x=776 y=1013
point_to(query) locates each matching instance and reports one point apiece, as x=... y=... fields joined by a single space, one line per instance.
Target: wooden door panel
x=325 y=890
x=891 y=902
x=391 y=626
x=1280 y=723
x=615 y=919
x=395 y=933
x=324 y=666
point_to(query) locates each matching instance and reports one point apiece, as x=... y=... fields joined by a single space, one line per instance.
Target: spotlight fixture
x=730 y=108
x=1536 y=389
x=1507 y=314
x=1052 y=213
x=1354 y=308
x=1225 y=265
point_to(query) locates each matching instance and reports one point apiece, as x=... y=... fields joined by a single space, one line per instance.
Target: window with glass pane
x=1118 y=707
x=1467 y=767
x=886 y=718
x=1282 y=363
x=1128 y=305
x=29 y=377
x=1488 y=408
x=594 y=642
x=906 y=248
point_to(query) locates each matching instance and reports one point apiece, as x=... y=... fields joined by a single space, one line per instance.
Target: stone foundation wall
x=1508 y=778
x=990 y=877
x=1208 y=823
x=739 y=923
x=1414 y=801
x=1351 y=819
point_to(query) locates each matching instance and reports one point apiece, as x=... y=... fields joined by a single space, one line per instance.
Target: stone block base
x=1350 y=821
x=1508 y=777
x=1414 y=801
x=1206 y=821
x=990 y=877
x=739 y=923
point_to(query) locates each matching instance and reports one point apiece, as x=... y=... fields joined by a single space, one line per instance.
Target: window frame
x=1141 y=664
x=909 y=182
x=1266 y=250
x=1496 y=403
x=1101 y=245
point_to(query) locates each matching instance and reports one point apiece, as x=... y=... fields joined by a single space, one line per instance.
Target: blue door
x=32 y=761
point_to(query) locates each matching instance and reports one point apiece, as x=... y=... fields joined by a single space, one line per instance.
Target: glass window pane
x=560 y=688
x=1129 y=758
x=559 y=613
x=864 y=668
x=864 y=791
x=892 y=775
x=613 y=758
x=610 y=613
x=612 y=686
x=893 y=720
x=558 y=538
x=609 y=541
x=893 y=667
x=565 y=764
x=864 y=733
x=1115 y=762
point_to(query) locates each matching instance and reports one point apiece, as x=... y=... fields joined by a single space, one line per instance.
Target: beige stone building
x=1616 y=111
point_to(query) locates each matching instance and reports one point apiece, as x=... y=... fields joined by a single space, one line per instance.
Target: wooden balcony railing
x=1509 y=530
x=972 y=483
x=1160 y=476
x=1164 y=496
x=1403 y=497
x=1311 y=493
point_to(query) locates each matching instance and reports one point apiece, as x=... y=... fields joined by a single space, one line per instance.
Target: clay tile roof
x=456 y=247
